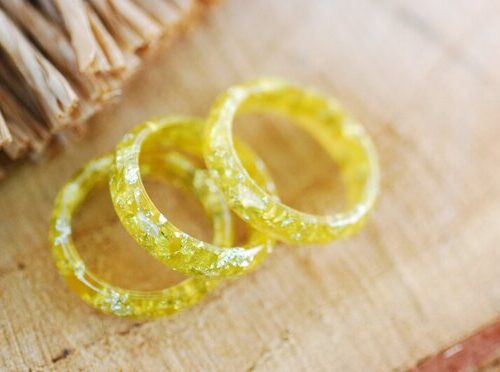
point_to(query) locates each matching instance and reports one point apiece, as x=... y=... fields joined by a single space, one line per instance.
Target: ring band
x=343 y=138
x=104 y=296
x=151 y=229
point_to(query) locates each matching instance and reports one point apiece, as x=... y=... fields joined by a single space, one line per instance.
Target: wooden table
x=424 y=78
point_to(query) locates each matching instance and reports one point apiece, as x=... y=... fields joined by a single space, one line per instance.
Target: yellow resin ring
x=151 y=229
x=342 y=137
x=118 y=301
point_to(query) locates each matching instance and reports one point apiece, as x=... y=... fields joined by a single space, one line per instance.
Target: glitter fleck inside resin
x=151 y=229
x=119 y=301
x=341 y=136
x=236 y=180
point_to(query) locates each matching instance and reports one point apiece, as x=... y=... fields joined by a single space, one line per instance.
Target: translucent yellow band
x=151 y=229
x=343 y=138
x=235 y=176
x=118 y=301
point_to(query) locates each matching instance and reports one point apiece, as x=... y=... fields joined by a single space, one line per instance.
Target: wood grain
x=424 y=79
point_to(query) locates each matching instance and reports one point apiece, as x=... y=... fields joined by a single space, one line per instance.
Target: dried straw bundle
x=61 y=60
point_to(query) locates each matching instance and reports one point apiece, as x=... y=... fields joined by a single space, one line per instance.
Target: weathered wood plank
x=423 y=273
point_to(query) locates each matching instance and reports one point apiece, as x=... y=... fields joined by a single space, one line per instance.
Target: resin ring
x=151 y=229
x=118 y=301
x=342 y=137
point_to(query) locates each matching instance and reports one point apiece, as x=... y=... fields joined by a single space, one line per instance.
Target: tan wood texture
x=423 y=76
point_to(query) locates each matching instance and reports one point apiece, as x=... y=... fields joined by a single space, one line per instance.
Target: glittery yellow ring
x=343 y=138
x=151 y=229
x=118 y=301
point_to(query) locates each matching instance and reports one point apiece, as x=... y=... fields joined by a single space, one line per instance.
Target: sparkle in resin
x=151 y=229
x=342 y=137
x=105 y=296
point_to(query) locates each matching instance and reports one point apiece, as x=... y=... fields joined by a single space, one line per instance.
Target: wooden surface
x=424 y=77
